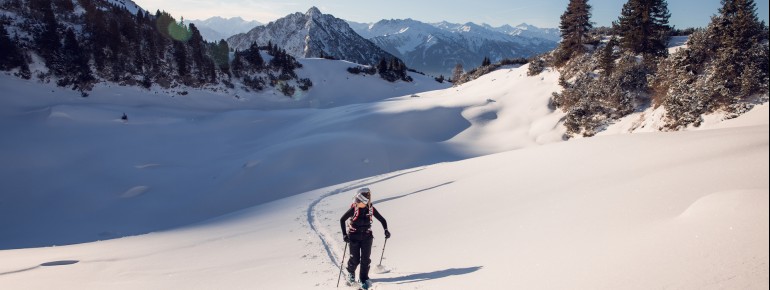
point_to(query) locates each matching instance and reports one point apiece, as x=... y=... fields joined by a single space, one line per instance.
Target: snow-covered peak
x=128 y=4
x=313 y=34
x=471 y=25
x=313 y=12
x=436 y=48
x=525 y=26
x=526 y=30
x=216 y=28
x=396 y=26
x=506 y=27
x=446 y=25
x=475 y=32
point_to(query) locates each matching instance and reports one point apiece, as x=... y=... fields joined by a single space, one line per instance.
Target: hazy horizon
x=546 y=13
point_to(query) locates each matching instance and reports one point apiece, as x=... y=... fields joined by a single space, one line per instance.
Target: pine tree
x=95 y=27
x=197 y=52
x=279 y=58
x=607 y=57
x=643 y=27
x=48 y=39
x=10 y=56
x=740 y=34
x=150 y=50
x=722 y=67
x=457 y=72
x=161 y=39
x=254 y=57
x=64 y=6
x=486 y=62
x=180 y=56
x=141 y=56
x=382 y=65
x=221 y=56
x=575 y=25
x=237 y=65
x=116 y=48
x=76 y=66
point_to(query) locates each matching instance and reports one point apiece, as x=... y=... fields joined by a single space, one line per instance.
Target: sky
x=542 y=13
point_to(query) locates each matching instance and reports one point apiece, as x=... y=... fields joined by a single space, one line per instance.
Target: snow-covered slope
x=685 y=210
x=171 y=139
x=313 y=34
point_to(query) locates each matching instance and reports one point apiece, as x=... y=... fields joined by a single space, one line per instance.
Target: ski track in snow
x=326 y=241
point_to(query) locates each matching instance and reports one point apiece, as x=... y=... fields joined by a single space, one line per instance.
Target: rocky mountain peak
x=312 y=35
x=313 y=12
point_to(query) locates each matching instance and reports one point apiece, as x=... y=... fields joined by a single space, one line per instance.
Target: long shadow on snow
x=48 y=264
x=418 y=277
x=416 y=192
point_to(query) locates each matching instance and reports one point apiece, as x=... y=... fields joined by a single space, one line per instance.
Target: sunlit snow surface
x=478 y=188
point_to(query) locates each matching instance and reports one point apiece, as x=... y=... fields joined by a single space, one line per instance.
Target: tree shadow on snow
x=418 y=277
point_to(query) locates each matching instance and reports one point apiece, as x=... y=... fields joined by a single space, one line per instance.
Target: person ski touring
x=359 y=235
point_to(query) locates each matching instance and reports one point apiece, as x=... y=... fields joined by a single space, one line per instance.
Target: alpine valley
x=137 y=153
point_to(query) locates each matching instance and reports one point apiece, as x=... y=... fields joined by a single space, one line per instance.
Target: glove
x=346 y=238
x=387 y=234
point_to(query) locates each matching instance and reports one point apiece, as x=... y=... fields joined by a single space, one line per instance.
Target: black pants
x=360 y=253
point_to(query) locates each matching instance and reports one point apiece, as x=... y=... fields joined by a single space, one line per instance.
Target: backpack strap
x=355 y=213
x=371 y=213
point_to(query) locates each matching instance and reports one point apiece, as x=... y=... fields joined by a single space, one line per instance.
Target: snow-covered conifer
x=643 y=27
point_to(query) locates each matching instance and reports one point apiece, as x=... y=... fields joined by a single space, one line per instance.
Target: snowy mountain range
x=437 y=48
x=217 y=28
x=528 y=31
x=313 y=34
x=431 y=48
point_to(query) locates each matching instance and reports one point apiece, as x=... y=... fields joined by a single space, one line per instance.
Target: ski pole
x=345 y=251
x=383 y=251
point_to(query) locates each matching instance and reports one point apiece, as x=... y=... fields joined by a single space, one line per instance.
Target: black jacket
x=361 y=220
